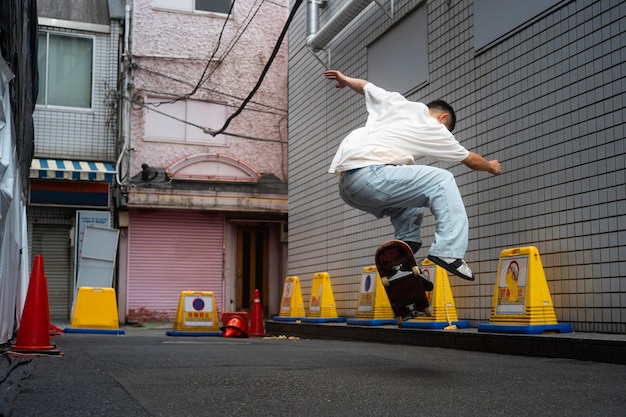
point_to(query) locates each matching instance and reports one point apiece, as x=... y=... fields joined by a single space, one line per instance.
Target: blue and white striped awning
x=62 y=169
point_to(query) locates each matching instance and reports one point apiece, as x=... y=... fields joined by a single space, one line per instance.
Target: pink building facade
x=200 y=210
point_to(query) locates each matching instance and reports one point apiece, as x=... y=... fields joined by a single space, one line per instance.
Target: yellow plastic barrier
x=444 y=315
x=95 y=311
x=196 y=315
x=373 y=307
x=521 y=299
x=292 y=304
x=322 y=307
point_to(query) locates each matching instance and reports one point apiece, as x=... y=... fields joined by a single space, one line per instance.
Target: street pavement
x=147 y=373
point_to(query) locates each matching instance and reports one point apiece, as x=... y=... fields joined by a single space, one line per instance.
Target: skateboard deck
x=401 y=278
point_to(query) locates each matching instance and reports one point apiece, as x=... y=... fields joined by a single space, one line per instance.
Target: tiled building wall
x=85 y=134
x=548 y=102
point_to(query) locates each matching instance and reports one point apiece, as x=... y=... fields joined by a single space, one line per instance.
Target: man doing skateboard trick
x=376 y=165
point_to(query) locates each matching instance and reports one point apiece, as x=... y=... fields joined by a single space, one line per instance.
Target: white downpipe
x=122 y=178
x=313 y=16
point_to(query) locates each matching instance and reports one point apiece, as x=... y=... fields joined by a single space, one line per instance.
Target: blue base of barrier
x=530 y=329
x=192 y=334
x=361 y=322
x=279 y=318
x=93 y=331
x=325 y=320
x=461 y=324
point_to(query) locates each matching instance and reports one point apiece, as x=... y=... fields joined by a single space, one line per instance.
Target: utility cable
x=206 y=67
x=247 y=21
x=140 y=104
x=221 y=93
x=265 y=70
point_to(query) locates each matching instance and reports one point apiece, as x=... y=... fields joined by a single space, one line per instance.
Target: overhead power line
x=219 y=41
x=175 y=97
x=206 y=74
x=141 y=104
x=265 y=70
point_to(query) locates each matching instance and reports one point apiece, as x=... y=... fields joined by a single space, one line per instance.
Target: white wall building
x=212 y=218
x=76 y=133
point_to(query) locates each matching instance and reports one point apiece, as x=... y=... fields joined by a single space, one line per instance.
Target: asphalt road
x=146 y=373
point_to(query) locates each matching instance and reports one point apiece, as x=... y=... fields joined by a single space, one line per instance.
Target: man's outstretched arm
x=478 y=163
x=355 y=84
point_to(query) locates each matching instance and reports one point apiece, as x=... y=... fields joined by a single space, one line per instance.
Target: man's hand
x=337 y=76
x=495 y=167
x=355 y=84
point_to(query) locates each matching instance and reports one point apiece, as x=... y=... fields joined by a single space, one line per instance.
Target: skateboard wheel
x=428 y=311
x=385 y=281
x=399 y=321
x=416 y=271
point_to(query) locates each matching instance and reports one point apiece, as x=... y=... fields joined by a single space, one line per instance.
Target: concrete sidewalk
x=598 y=347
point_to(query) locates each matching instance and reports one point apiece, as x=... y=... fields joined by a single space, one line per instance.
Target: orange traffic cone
x=235 y=324
x=33 y=335
x=256 y=327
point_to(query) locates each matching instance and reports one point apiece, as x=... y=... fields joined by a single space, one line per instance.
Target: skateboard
x=402 y=280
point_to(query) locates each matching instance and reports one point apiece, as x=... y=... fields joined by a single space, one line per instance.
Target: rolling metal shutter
x=52 y=242
x=171 y=251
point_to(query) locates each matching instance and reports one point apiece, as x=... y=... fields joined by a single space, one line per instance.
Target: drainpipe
x=318 y=39
x=123 y=160
x=313 y=16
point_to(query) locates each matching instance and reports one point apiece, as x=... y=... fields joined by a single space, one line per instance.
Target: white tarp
x=13 y=233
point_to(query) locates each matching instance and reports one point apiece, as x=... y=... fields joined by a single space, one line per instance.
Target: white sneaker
x=456 y=266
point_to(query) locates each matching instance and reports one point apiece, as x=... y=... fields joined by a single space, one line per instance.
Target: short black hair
x=442 y=106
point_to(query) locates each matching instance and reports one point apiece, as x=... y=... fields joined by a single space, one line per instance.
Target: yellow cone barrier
x=521 y=298
x=373 y=307
x=95 y=311
x=196 y=315
x=292 y=304
x=444 y=315
x=322 y=307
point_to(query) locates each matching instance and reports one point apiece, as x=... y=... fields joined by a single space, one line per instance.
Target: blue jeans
x=402 y=192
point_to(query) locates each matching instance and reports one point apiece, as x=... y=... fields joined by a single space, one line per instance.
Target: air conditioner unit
x=284 y=236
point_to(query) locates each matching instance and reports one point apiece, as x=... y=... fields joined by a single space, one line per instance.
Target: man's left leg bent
x=407 y=223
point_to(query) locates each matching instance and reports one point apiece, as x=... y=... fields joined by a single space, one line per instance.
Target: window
x=65 y=70
x=405 y=45
x=214 y=6
x=494 y=20
x=179 y=121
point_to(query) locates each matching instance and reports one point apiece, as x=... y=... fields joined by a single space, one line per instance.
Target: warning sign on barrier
x=292 y=304
x=196 y=315
x=511 y=295
x=198 y=310
x=373 y=306
x=322 y=307
x=441 y=299
x=521 y=300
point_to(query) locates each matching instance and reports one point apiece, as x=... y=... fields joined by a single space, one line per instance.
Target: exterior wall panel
x=85 y=134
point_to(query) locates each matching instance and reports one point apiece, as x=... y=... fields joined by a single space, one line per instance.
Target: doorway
x=252 y=266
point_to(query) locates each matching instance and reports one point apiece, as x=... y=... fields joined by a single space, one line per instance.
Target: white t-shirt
x=396 y=132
